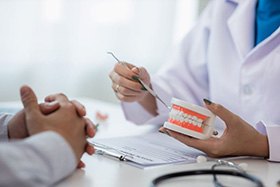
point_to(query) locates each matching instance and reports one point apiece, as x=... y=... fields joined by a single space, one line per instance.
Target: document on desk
x=147 y=150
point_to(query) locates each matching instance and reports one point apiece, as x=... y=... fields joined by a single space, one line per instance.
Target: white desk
x=101 y=171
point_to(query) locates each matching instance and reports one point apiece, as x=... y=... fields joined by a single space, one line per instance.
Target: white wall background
x=61 y=45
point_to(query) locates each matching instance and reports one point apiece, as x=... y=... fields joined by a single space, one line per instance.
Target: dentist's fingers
x=227 y=116
x=128 y=85
x=142 y=74
x=129 y=98
x=123 y=71
x=130 y=88
x=209 y=146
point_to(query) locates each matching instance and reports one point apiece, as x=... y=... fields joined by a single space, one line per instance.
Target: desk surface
x=101 y=171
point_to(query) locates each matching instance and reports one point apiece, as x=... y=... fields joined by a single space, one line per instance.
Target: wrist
x=73 y=143
x=148 y=101
x=16 y=126
x=262 y=148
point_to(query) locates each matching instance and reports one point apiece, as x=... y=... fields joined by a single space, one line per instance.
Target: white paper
x=148 y=150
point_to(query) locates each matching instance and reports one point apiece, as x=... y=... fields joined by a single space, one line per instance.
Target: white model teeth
x=199 y=122
x=183 y=117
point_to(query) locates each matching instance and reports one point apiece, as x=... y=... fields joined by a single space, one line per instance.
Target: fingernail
x=135 y=78
x=24 y=90
x=167 y=132
x=135 y=70
x=164 y=132
x=52 y=103
x=161 y=131
x=143 y=88
x=207 y=102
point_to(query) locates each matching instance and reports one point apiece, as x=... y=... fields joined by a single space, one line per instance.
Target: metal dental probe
x=141 y=82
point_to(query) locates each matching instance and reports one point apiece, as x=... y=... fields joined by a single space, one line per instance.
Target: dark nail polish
x=164 y=132
x=143 y=88
x=135 y=78
x=167 y=132
x=161 y=131
x=207 y=102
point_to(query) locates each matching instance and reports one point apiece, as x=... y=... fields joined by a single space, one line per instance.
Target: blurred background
x=61 y=45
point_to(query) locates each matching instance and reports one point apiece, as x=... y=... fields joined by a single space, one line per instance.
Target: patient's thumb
x=29 y=100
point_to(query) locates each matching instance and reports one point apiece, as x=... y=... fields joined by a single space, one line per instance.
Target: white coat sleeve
x=184 y=77
x=40 y=160
x=272 y=131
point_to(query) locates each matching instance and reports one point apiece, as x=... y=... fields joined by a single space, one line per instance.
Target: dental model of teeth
x=190 y=119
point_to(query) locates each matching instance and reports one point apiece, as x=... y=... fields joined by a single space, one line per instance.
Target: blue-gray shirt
x=40 y=160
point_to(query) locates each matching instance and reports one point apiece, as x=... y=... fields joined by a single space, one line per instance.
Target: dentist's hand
x=238 y=139
x=124 y=82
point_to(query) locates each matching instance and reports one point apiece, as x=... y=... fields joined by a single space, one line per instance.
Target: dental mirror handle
x=153 y=93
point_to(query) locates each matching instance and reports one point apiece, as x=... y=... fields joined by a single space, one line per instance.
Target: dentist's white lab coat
x=218 y=60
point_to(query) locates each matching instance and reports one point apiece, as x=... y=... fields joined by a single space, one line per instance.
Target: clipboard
x=146 y=150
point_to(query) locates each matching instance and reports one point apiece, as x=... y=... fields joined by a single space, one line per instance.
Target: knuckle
x=216 y=151
x=121 y=97
x=70 y=106
x=117 y=65
x=135 y=86
x=124 y=91
x=125 y=63
x=121 y=81
x=111 y=75
x=87 y=120
x=77 y=103
x=235 y=118
x=61 y=95
x=218 y=108
x=138 y=87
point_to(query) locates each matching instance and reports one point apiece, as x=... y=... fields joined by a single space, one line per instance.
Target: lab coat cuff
x=134 y=112
x=272 y=131
x=56 y=152
x=4 y=120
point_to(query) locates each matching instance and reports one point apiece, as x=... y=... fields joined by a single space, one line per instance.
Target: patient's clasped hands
x=57 y=114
